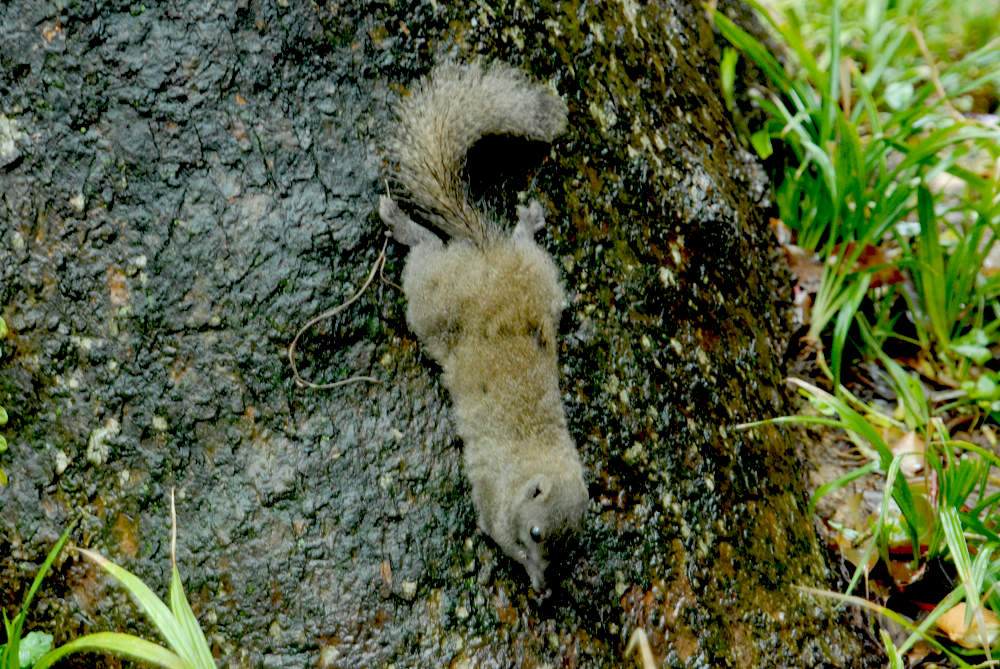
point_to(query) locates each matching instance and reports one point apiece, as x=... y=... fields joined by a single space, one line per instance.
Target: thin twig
x=641 y=641
x=173 y=530
x=918 y=35
x=302 y=383
x=845 y=84
x=381 y=275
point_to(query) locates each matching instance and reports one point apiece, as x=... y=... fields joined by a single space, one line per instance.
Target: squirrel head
x=547 y=512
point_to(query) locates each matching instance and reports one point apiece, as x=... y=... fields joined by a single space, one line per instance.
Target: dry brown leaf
x=782 y=232
x=871 y=257
x=903 y=574
x=920 y=651
x=805 y=266
x=801 y=307
x=953 y=624
x=914 y=447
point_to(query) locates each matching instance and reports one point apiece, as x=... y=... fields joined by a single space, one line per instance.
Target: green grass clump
x=868 y=126
x=949 y=29
x=176 y=623
x=953 y=305
x=17 y=652
x=188 y=648
x=955 y=519
x=884 y=153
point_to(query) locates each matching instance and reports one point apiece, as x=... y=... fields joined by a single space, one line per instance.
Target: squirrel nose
x=537 y=575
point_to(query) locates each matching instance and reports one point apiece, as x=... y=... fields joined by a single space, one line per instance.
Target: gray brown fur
x=486 y=306
x=444 y=116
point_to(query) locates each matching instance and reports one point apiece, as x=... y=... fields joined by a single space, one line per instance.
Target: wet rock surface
x=183 y=185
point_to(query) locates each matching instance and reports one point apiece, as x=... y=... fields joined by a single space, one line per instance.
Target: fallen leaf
x=805 y=265
x=912 y=447
x=953 y=624
x=52 y=31
x=921 y=651
x=782 y=232
x=884 y=269
x=802 y=306
x=903 y=573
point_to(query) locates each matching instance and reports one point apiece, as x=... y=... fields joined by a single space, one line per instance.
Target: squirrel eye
x=536 y=534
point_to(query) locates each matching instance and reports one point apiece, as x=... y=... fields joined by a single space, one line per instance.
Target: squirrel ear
x=537 y=488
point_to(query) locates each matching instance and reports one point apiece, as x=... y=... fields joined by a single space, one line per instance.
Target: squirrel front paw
x=530 y=220
x=403 y=228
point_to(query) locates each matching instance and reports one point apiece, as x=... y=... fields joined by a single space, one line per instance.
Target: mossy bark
x=185 y=183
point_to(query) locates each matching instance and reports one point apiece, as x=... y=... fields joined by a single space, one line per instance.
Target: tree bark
x=186 y=183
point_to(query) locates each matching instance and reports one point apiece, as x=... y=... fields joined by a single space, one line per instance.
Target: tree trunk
x=184 y=184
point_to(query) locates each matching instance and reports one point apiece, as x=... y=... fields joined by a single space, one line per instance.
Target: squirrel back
x=486 y=306
x=445 y=115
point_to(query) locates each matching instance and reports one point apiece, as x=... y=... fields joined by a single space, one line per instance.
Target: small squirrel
x=486 y=306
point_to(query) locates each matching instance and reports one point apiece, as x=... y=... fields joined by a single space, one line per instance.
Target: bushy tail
x=445 y=115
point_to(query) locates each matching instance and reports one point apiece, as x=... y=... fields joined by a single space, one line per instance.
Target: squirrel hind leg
x=404 y=229
x=530 y=220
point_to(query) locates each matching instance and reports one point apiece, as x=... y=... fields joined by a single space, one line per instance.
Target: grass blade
x=14 y=628
x=895 y=661
x=750 y=46
x=155 y=609
x=917 y=632
x=959 y=552
x=119 y=644
x=839 y=482
x=854 y=422
x=201 y=654
x=853 y=296
x=49 y=559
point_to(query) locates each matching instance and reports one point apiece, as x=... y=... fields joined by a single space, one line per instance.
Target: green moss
x=3 y=412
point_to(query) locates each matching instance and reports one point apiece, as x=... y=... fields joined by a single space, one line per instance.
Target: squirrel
x=486 y=306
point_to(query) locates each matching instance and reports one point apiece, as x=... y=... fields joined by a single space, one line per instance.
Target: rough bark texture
x=183 y=184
